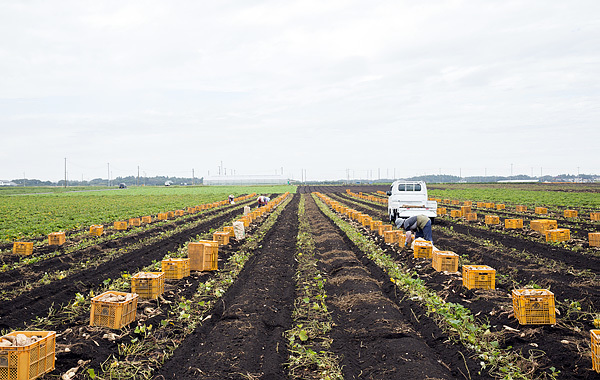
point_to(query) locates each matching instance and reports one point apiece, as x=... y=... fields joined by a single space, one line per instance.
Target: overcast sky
x=377 y=87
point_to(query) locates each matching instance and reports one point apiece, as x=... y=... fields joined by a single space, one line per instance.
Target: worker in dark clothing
x=420 y=225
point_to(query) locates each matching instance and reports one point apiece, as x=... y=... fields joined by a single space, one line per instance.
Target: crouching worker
x=419 y=224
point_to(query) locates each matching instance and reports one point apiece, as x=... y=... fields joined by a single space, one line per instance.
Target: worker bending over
x=419 y=224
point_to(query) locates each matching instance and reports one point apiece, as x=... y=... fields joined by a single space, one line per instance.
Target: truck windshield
x=409 y=187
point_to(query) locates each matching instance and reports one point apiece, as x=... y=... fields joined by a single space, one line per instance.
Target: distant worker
x=231 y=201
x=419 y=224
x=263 y=200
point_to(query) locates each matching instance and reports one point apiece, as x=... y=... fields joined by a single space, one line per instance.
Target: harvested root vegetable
x=109 y=297
x=19 y=340
x=147 y=275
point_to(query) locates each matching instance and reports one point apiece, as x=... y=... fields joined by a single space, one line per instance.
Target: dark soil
x=243 y=337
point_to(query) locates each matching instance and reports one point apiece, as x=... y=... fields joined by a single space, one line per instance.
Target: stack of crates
x=471 y=217
x=559 y=234
x=175 y=269
x=22 y=248
x=30 y=361
x=595 y=344
x=541 y=210
x=445 y=261
x=221 y=237
x=203 y=255
x=492 y=219
x=534 y=306
x=120 y=225
x=521 y=208
x=56 y=238
x=441 y=211
x=113 y=314
x=148 y=284
x=96 y=230
x=542 y=225
x=570 y=213
x=455 y=213
x=479 y=277
x=594 y=238
x=423 y=249
x=135 y=222
x=513 y=223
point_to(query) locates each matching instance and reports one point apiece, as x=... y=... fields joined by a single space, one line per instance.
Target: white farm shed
x=242 y=180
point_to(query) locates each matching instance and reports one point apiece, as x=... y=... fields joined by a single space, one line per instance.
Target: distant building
x=7 y=183
x=242 y=180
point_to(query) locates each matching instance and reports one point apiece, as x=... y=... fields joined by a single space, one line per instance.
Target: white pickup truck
x=408 y=198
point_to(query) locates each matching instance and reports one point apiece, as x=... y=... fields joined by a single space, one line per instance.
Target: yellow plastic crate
x=570 y=213
x=171 y=214
x=468 y=203
x=221 y=237
x=480 y=204
x=479 y=277
x=113 y=314
x=492 y=219
x=366 y=221
x=542 y=225
x=422 y=249
x=191 y=210
x=594 y=238
x=163 y=216
x=383 y=228
x=441 y=211
x=120 y=225
x=22 y=248
x=445 y=261
x=136 y=222
x=375 y=225
x=448 y=201
x=464 y=210
x=229 y=230
x=559 y=234
x=541 y=210
x=203 y=255
x=534 y=306
x=521 y=208
x=595 y=215
x=471 y=217
x=455 y=213
x=146 y=219
x=500 y=206
x=30 y=361
x=595 y=345
x=175 y=269
x=148 y=284
x=56 y=238
x=513 y=223
x=96 y=230
x=455 y=202
x=394 y=237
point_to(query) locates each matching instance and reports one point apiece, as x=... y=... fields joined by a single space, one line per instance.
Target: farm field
x=309 y=293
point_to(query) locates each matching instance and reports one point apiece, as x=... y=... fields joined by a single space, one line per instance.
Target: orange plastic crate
x=521 y=208
x=455 y=202
x=500 y=206
x=455 y=213
x=570 y=213
x=465 y=210
x=445 y=261
x=113 y=315
x=146 y=219
x=534 y=306
x=163 y=216
x=203 y=255
x=22 y=248
x=468 y=203
x=366 y=221
x=221 y=237
x=595 y=215
x=394 y=237
x=595 y=345
x=492 y=219
x=448 y=201
x=422 y=250
x=175 y=269
x=171 y=214
x=56 y=238
x=559 y=234
x=594 y=238
x=179 y=212
x=229 y=230
x=96 y=230
x=471 y=217
x=441 y=211
x=375 y=225
x=490 y=205
x=541 y=210
x=136 y=222
x=513 y=223
x=148 y=284
x=479 y=277
x=384 y=227
x=191 y=210
x=480 y=204
x=542 y=225
x=120 y=225
x=31 y=361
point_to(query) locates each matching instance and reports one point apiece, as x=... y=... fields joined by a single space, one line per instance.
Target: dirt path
x=375 y=337
x=243 y=338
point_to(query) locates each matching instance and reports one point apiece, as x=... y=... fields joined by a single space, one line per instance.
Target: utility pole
x=65 y=171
